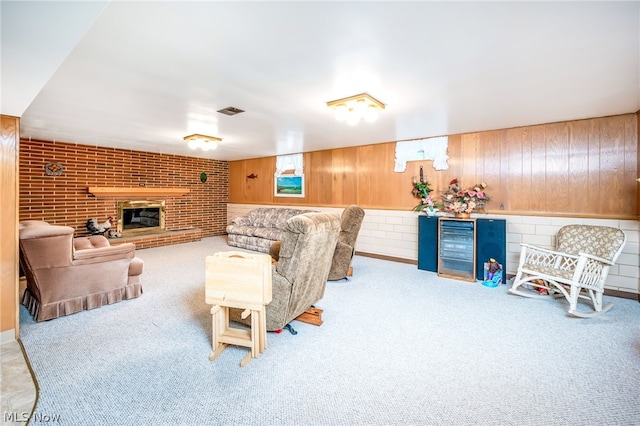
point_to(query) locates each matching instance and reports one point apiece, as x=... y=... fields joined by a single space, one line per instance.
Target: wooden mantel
x=138 y=191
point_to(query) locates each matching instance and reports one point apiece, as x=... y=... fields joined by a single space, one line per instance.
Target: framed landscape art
x=289 y=186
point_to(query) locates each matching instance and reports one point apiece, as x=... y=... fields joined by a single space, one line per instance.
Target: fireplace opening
x=135 y=217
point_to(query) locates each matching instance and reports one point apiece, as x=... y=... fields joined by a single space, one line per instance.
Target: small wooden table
x=238 y=280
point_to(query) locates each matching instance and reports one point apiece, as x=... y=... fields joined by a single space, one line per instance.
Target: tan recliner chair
x=66 y=275
x=350 y=224
x=300 y=277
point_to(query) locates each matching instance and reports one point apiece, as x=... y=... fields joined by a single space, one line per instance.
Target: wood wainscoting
x=9 y=137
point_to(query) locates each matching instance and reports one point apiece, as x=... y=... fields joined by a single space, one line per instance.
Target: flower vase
x=463 y=215
x=430 y=212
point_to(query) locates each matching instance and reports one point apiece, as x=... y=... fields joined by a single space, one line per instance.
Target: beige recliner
x=66 y=275
x=300 y=277
x=350 y=224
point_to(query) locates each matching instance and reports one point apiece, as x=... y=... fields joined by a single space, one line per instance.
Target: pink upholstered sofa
x=66 y=275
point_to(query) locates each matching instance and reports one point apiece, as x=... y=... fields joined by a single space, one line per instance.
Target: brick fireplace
x=193 y=209
x=140 y=217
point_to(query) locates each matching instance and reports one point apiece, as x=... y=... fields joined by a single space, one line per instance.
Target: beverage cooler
x=457 y=248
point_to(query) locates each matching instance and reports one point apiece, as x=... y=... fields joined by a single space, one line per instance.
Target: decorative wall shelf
x=139 y=191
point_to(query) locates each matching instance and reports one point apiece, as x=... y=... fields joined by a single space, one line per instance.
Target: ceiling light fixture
x=202 y=142
x=355 y=108
x=230 y=110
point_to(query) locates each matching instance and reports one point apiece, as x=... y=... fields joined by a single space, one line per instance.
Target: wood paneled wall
x=9 y=137
x=575 y=168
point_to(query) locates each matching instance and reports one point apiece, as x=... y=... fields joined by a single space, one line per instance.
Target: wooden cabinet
x=457 y=248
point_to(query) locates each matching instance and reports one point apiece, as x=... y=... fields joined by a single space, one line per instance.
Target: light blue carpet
x=399 y=346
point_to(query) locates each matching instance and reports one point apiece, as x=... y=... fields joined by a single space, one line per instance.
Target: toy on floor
x=541 y=290
x=492 y=273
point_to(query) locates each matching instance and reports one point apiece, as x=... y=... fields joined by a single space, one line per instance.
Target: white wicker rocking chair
x=577 y=268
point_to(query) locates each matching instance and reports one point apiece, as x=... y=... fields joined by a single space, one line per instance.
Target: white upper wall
x=36 y=37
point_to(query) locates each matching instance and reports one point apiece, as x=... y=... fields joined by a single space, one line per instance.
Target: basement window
x=292 y=164
x=422 y=149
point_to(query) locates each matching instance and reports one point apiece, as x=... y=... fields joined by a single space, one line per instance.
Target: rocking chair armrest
x=597 y=258
x=558 y=253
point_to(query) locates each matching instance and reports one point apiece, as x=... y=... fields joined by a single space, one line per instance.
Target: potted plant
x=462 y=202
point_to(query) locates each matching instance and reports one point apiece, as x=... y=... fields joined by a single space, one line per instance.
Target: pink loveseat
x=66 y=275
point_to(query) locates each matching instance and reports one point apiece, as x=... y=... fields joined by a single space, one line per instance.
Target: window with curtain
x=289 y=162
x=422 y=149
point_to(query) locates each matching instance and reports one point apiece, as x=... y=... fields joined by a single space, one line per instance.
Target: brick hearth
x=160 y=238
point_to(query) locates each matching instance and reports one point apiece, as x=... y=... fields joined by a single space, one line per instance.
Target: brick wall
x=64 y=200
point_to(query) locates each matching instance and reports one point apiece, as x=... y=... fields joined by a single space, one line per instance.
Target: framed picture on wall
x=289 y=186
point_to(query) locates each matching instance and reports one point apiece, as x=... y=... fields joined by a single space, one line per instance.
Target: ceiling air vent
x=231 y=111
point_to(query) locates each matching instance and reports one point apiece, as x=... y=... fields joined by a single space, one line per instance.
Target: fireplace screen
x=140 y=217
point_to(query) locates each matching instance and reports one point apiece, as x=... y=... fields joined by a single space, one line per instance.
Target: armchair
x=300 y=277
x=350 y=224
x=66 y=275
x=576 y=269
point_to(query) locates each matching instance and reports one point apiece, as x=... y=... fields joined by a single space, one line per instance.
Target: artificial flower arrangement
x=422 y=191
x=457 y=200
